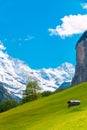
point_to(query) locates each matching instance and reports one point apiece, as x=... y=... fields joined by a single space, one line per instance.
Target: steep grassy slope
x=49 y=113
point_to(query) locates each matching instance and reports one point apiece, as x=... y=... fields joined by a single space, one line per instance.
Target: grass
x=49 y=113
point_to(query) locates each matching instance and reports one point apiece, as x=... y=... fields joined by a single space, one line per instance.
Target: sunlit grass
x=49 y=113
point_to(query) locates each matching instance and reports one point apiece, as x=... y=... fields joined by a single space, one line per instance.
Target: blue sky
x=42 y=33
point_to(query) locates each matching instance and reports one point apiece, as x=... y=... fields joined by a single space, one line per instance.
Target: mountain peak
x=83 y=37
x=67 y=64
x=14 y=74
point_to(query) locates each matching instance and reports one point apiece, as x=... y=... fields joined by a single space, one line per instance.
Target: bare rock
x=81 y=60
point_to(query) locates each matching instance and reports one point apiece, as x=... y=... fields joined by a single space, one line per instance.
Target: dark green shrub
x=46 y=93
x=7 y=104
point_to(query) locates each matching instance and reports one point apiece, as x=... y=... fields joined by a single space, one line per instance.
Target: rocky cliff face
x=81 y=60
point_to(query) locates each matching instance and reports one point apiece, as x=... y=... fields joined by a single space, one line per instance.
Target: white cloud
x=72 y=24
x=2 y=53
x=84 y=5
x=2 y=46
x=28 y=38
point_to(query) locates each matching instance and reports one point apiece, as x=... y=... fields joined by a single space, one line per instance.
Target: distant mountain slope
x=63 y=86
x=14 y=74
x=50 y=113
x=4 y=95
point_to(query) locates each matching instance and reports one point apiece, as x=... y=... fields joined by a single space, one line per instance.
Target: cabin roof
x=74 y=101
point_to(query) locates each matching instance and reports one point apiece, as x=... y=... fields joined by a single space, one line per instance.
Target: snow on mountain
x=14 y=74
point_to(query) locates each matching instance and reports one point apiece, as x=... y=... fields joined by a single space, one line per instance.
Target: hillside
x=49 y=113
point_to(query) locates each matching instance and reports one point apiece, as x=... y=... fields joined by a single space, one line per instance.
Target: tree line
x=31 y=93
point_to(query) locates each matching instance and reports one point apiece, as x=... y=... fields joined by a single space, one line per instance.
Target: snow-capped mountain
x=14 y=74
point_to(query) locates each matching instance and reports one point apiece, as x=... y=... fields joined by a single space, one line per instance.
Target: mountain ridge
x=14 y=74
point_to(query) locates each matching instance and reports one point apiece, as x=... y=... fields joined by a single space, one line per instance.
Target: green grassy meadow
x=49 y=113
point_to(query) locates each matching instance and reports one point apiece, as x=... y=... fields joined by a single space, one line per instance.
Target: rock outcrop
x=4 y=95
x=81 y=60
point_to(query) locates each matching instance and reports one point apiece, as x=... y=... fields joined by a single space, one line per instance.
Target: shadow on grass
x=74 y=109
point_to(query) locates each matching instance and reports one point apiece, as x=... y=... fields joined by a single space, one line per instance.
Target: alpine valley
x=14 y=75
